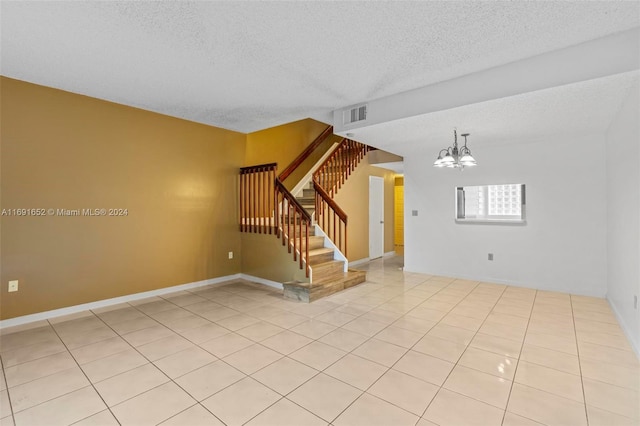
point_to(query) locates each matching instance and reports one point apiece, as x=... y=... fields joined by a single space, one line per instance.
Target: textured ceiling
x=575 y=109
x=251 y=65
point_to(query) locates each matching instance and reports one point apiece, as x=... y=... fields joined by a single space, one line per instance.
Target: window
x=491 y=203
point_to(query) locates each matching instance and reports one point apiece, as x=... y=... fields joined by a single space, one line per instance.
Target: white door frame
x=376 y=217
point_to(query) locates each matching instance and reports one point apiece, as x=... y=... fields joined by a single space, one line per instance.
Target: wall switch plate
x=13 y=285
x=635 y=302
x=490 y=257
x=230 y=255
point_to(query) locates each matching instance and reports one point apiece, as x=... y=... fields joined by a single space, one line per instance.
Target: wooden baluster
x=281 y=213
x=337 y=170
x=354 y=161
x=275 y=202
x=265 y=200
x=247 y=203
x=355 y=155
x=342 y=166
x=345 y=238
x=265 y=197
x=269 y=199
x=256 y=200
x=295 y=230
x=247 y=217
x=288 y=223
x=241 y=202
x=345 y=165
x=306 y=249
x=259 y=198
x=330 y=174
x=245 y=213
x=256 y=194
x=324 y=216
x=334 y=162
x=276 y=213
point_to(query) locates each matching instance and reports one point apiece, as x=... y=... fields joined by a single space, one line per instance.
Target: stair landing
x=308 y=292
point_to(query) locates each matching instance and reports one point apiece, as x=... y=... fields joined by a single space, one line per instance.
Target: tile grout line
x=6 y=384
x=159 y=369
x=377 y=288
x=222 y=360
x=575 y=333
x=421 y=416
x=85 y=375
x=408 y=349
x=328 y=366
x=123 y=372
x=524 y=338
x=318 y=372
x=466 y=346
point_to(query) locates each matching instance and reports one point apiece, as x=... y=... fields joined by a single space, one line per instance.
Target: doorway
x=376 y=217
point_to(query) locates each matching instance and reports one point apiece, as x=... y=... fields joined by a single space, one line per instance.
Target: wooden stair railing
x=293 y=225
x=327 y=180
x=305 y=154
x=331 y=218
x=257 y=199
x=267 y=206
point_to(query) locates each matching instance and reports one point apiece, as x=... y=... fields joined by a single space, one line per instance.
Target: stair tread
x=321 y=250
x=338 y=278
x=329 y=263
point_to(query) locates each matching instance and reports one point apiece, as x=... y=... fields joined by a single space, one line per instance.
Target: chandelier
x=455 y=157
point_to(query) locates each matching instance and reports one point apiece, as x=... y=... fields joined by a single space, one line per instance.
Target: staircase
x=329 y=274
x=266 y=206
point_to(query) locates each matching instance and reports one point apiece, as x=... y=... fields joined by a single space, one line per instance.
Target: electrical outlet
x=13 y=285
x=230 y=255
x=414 y=212
x=490 y=257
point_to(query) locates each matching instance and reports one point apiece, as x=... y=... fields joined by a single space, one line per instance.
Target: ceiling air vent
x=354 y=114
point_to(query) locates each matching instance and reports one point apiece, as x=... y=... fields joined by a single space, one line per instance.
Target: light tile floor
x=400 y=349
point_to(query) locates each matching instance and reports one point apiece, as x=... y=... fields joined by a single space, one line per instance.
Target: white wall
x=561 y=248
x=623 y=216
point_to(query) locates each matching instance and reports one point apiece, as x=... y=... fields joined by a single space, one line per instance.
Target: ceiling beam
x=606 y=56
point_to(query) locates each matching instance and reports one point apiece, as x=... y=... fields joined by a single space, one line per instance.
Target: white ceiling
x=251 y=65
x=581 y=108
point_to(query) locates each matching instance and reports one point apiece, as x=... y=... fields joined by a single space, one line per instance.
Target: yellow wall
x=177 y=179
x=281 y=144
x=264 y=256
x=64 y=151
x=399 y=211
x=353 y=198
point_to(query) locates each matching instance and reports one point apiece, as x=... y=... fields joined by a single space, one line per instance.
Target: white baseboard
x=259 y=280
x=630 y=337
x=494 y=280
x=25 y=319
x=367 y=259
